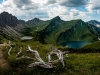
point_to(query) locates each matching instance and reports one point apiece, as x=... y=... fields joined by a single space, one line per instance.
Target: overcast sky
x=47 y=9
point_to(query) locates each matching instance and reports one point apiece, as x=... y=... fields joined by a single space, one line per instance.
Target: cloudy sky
x=47 y=9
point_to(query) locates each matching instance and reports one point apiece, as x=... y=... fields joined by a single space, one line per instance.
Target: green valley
x=43 y=54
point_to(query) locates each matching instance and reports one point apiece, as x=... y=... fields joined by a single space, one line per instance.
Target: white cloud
x=43 y=9
x=68 y=3
x=74 y=14
x=94 y=5
x=57 y=11
x=19 y=8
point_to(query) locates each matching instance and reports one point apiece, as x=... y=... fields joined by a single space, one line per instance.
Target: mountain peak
x=35 y=21
x=94 y=22
x=8 y=19
x=57 y=18
x=4 y=12
x=78 y=19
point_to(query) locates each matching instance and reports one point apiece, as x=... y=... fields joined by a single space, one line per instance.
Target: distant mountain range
x=94 y=22
x=59 y=31
x=50 y=31
x=34 y=21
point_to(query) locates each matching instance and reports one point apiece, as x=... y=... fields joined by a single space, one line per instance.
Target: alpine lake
x=75 y=44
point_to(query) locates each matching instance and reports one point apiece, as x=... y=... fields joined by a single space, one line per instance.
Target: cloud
x=25 y=4
x=20 y=3
x=43 y=9
x=51 y=1
x=72 y=3
x=21 y=8
x=94 y=5
x=68 y=3
x=57 y=11
x=74 y=12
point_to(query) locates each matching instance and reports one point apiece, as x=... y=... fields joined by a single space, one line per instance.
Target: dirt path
x=3 y=61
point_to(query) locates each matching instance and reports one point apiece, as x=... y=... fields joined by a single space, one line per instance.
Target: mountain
x=59 y=31
x=54 y=31
x=6 y=32
x=94 y=22
x=34 y=21
x=10 y=26
x=8 y=19
x=22 y=22
x=80 y=31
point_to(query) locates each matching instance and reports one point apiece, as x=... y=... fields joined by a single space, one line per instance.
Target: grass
x=95 y=45
x=76 y=64
x=87 y=64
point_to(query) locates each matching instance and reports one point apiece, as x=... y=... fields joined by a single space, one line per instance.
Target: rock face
x=10 y=26
x=8 y=32
x=57 y=18
x=22 y=22
x=8 y=19
x=96 y=24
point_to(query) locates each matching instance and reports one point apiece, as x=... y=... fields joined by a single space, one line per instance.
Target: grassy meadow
x=75 y=63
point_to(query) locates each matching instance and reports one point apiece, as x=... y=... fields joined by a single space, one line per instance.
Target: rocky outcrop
x=10 y=25
x=8 y=19
x=7 y=31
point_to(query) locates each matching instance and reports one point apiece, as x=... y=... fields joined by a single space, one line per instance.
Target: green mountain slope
x=95 y=45
x=59 y=31
x=80 y=31
x=55 y=28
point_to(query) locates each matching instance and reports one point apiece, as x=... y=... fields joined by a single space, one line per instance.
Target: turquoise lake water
x=75 y=44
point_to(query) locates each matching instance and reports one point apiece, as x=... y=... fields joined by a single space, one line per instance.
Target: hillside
x=81 y=31
x=75 y=63
x=59 y=31
x=10 y=26
x=7 y=32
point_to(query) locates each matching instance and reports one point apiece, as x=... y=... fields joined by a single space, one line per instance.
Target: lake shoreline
x=75 y=44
